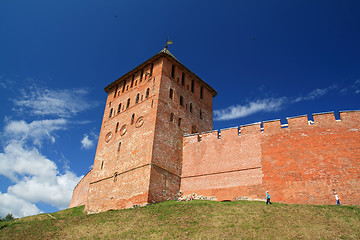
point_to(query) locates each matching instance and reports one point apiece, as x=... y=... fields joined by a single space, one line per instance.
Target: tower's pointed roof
x=165 y=52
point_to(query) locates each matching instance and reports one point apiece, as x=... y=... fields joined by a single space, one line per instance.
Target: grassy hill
x=193 y=220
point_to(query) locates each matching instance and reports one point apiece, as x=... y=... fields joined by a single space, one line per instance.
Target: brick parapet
x=275 y=126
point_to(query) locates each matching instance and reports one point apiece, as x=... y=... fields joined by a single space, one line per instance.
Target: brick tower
x=139 y=154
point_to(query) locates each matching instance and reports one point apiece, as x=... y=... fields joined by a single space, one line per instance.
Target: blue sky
x=267 y=60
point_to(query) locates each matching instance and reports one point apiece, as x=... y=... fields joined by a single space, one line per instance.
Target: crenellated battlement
x=274 y=126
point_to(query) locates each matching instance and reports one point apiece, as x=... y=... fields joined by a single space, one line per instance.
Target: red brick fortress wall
x=80 y=192
x=300 y=162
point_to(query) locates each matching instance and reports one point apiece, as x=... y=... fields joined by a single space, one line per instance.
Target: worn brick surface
x=304 y=165
x=136 y=137
x=81 y=191
x=221 y=161
x=298 y=164
x=167 y=146
x=120 y=191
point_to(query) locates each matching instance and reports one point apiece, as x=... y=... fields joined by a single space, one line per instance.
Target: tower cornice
x=163 y=53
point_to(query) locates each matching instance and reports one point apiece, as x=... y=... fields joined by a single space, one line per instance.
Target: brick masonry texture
x=81 y=191
x=301 y=163
x=156 y=138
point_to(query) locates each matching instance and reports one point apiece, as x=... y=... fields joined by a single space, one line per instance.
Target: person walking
x=268 y=197
x=336 y=197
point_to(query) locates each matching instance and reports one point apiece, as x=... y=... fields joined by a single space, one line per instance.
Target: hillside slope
x=193 y=220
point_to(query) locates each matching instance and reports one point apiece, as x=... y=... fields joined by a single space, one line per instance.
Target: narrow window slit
x=171 y=117
x=132 y=119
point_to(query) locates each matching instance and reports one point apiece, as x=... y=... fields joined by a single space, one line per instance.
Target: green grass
x=193 y=220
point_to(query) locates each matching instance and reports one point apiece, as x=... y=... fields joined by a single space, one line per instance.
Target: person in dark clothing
x=268 y=197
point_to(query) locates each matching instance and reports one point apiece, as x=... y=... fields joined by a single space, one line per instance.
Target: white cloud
x=56 y=191
x=63 y=103
x=36 y=179
x=356 y=86
x=36 y=130
x=16 y=206
x=315 y=94
x=6 y=83
x=17 y=162
x=268 y=104
x=86 y=142
x=239 y=111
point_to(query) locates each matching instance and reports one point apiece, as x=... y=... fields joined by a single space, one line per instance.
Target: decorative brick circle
x=108 y=137
x=139 y=122
x=123 y=129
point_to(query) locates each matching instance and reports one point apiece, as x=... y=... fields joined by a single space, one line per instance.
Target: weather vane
x=168 y=42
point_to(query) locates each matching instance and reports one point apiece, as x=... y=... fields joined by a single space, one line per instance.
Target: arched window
x=192 y=85
x=173 y=71
x=132 y=81
x=191 y=107
x=181 y=101
x=179 y=122
x=119 y=146
x=141 y=75
x=123 y=89
x=111 y=111
x=201 y=92
x=128 y=103
x=119 y=108
x=183 y=79
x=137 y=98
x=151 y=69
x=132 y=119
x=147 y=93
x=201 y=115
x=115 y=90
x=171 y=117
x=171 y=93
x=117 y=127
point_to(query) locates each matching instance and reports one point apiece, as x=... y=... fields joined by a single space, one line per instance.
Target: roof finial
x=168 y=42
